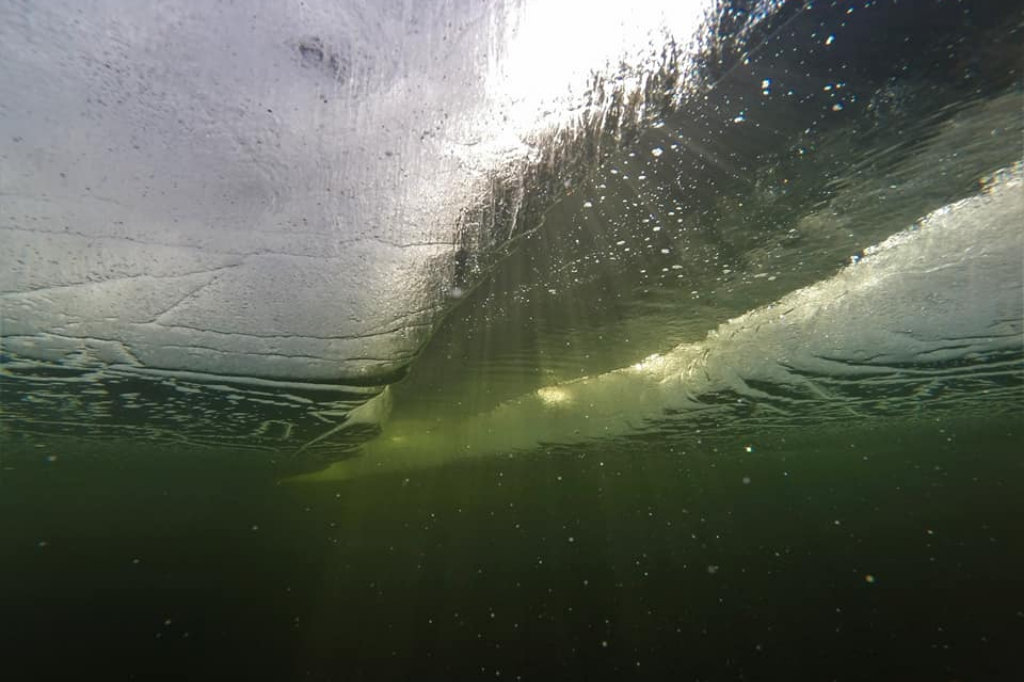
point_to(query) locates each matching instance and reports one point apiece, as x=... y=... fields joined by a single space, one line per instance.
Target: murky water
x=888 y=552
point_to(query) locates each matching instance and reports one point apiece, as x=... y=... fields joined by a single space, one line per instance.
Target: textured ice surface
x=236 y=222
x=280 y=190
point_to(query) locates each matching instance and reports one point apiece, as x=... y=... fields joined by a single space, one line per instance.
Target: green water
x=880 y=550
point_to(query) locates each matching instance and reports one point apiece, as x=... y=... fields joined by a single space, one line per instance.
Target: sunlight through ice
x=555 y=48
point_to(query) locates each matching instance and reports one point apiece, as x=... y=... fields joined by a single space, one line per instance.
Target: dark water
x=888 y=550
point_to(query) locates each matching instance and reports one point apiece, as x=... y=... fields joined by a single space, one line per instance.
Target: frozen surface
x=281 y=190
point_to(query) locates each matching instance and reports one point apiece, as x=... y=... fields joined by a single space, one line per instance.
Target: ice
x=282 y=190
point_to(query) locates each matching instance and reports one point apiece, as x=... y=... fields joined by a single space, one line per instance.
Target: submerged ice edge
x=925 y=313
x=39 y=401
